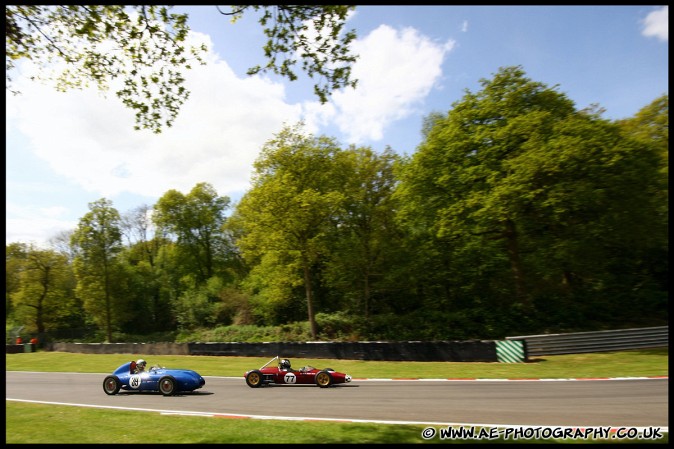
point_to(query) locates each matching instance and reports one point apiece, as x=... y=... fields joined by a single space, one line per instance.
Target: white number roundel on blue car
x=134 y=381
x=289 y=378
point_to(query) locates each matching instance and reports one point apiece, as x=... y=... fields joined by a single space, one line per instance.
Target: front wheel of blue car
x=167 y=386
x=111 y=385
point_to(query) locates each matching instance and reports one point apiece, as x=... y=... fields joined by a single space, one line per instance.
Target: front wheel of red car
x=111 y=385
x=323 y=379
x=167 y=386
x=254 y=379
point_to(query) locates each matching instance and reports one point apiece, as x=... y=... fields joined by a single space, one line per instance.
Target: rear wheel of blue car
x=111 y=385
x=167 y=386
x=323 y=379
x=254 y=379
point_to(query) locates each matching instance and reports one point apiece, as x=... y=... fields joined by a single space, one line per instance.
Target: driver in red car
x=285 y=365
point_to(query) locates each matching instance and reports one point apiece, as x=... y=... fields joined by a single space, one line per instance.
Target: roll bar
x=275 y=358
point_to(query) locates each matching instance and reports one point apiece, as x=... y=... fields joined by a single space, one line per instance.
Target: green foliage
x=364 y=240
x=296 y=331
x=196 y=221
x=338 y=326
x=314 y=34
x=200 y=305
x=297 y=192
x=142 y=49
x=72 y=45
x=274 y=288
x=517 y=215
x=559 y=198
x=44 y=299
x=100 y=277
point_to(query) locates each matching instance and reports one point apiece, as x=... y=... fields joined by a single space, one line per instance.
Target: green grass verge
x=635 y=363
x=39 y=423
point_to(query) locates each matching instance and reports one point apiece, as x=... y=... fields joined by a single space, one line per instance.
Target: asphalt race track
x=578 y=403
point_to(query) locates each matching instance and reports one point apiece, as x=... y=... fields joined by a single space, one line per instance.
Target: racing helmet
x=285 y=364
x=140 y=364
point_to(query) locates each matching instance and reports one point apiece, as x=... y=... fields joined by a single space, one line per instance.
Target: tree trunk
x=510 y=235
x=310 y=298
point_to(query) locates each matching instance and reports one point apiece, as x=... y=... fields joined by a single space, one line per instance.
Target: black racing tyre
x=111 y=385
x=323 y=379
x=167 y=385
x=254 y=379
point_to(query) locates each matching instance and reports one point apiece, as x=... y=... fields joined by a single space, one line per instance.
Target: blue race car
x=167 y=381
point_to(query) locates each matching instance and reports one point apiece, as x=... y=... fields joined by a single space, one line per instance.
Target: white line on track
x=294 y=418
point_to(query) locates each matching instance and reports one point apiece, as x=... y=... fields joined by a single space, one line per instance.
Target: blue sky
x=65 y=150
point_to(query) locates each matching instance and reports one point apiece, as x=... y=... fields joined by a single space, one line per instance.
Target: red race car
x=283 y=374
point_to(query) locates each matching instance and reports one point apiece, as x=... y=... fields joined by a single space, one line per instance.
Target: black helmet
x=285 y=364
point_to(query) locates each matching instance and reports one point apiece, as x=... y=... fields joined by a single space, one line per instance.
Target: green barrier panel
x=510 y=351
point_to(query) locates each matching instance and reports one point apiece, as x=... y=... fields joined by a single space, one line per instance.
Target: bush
x=297 y=331
x=338 y=326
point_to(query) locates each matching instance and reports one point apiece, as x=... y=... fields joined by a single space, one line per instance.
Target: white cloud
x=218 y=133
x=396 y=70
x=29 y=224
x=656 y=24
x=88 y=141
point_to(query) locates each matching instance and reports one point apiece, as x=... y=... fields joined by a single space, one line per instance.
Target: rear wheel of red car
x=111 y=385
x=323 y=379
x=167 y=386
x=254 y=379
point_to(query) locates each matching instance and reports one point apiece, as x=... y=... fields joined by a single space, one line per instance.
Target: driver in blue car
x=140 y=366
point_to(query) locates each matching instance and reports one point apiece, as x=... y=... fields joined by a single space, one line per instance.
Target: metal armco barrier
x=417 y=351
x=513 y=349
x=121 y=348
x=600 y=341
x=14 y=349
x=411 y=351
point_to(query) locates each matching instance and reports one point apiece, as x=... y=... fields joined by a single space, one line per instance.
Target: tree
x=15 y=258
x=286 y=214
x=153 y=311
x=650 y=127
x=141 y=45
x=515 y=174
x=311 y=31
x=365 y=240
x=61 y=242
x=44 y=301
x=462 y=169
x=144 y=46
x=98 y=241
x=196 y=219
